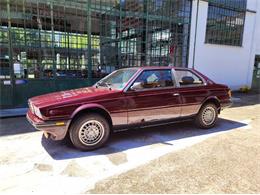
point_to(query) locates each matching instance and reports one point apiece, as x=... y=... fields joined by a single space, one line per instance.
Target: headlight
x=37 y=112
x=31 y=107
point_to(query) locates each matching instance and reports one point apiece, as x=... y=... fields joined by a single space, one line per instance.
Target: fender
x=88 y=106
x=82 y=107
x=214 y=98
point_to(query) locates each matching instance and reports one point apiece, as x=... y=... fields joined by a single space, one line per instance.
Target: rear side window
x=187 y=78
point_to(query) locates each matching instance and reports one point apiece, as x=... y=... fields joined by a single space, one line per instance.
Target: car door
x=192 y=90
x=153 y=96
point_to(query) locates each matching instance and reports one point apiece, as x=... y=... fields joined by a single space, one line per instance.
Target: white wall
x=257 y=32
x=229 y=65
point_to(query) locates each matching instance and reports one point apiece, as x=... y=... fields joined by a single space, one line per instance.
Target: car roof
x=158 y=67
x=138 y=68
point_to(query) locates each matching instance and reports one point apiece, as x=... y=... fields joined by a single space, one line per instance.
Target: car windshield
x=117 y=79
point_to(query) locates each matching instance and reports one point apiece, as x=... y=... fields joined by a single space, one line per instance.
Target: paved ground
x=167 y=159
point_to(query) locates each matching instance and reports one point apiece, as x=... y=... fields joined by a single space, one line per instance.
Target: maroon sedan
x=139 y=96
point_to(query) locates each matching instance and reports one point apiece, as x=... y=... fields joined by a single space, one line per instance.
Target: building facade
x=225 y=41
x=51 y=45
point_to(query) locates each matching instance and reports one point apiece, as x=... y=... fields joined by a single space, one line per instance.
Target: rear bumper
x=226 y=104
x=56 y=129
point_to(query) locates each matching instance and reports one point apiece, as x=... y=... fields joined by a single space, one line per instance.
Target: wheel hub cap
x=91 y=132
x=208 y=115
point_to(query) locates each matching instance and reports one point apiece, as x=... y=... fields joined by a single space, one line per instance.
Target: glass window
x=187 y=78
x=154 y=79
x=117 y=79
x=225 y=22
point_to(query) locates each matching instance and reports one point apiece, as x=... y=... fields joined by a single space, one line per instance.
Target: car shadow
x=135 y=138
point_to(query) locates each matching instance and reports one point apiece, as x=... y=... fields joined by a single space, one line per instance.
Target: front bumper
x=56 y=129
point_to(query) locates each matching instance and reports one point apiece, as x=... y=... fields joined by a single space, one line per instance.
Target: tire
x=89 y=132
x=207 y=116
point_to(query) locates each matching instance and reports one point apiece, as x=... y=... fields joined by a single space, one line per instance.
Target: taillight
x=229 y=93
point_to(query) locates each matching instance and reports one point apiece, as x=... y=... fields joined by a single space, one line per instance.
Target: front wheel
x=207 y=116
x=89 y=132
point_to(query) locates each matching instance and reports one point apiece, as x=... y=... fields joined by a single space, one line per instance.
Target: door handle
x=175 y=94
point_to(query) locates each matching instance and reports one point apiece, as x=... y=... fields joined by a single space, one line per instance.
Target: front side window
x=225 y=22
x=187 y=78
x=150 y=79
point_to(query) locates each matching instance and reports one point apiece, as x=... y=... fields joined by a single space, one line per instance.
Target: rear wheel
x=89 y=132
x=207 y=116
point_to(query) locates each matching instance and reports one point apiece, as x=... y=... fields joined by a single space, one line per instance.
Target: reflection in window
x=225 y=23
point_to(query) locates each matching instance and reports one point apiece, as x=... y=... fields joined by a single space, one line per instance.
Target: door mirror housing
x=137 y=86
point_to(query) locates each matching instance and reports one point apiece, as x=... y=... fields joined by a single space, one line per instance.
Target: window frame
x=223 y=37
x=175 y=85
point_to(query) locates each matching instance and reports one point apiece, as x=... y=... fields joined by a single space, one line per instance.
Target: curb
x=9 y=113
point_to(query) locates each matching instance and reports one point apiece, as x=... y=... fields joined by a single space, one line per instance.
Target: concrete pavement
x=226 y=162
x=30 y=163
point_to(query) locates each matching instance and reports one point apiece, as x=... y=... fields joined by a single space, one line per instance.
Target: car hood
x=74 y=95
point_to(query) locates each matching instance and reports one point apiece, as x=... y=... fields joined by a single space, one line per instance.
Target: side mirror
x=136 y=86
